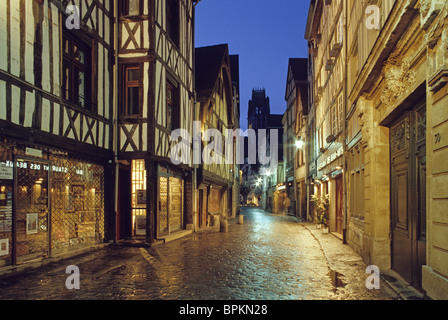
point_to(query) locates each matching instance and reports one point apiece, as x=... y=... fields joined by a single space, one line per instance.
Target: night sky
x=264 y=33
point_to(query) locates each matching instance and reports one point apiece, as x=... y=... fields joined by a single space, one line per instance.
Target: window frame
x=173 y=21
x=126 y=84
x=172 y=106
x=124 y=9
x=69 y=61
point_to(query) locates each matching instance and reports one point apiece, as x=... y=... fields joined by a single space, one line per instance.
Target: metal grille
x=176 y=204
x=6 y=189
x=77 y=202
x=59 y=203
x=139 y=197
x=163 y=205
x=31 y=221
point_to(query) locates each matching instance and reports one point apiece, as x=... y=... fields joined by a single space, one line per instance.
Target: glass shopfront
x=50 y=202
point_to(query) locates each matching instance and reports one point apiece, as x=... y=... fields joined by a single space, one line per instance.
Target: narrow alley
x=268 y=257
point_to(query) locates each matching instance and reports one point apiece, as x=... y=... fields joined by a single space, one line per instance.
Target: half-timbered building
x=214 y=111
x=295 y=117
x=155 y=97
x=56 y=124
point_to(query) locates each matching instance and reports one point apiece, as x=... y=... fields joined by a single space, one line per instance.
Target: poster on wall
x=140 y=225
x=4 y=247
x=141 y=196
x=6 y=212
x=31 y=223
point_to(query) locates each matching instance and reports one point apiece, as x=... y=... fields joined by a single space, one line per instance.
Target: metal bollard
x=224 y=226
x=240 y=219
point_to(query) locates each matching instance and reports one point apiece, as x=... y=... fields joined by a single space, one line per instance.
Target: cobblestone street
x=269 y=257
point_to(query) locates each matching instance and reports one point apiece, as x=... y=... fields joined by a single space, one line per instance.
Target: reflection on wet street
x=269 y=257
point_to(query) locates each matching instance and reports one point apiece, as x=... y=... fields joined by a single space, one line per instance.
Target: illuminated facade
x=394 y=157
x=56 y=124
x=155 y=97
x=215 y=111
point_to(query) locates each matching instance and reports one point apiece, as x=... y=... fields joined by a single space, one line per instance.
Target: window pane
x=133 y=101
x=134 y=7
x=133 y=74
x=81 y=89
x=66 y=46
x=65 y=81
x=78 y=54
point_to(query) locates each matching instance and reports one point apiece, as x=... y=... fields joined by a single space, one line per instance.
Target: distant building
x=215 y=109
x=294 y=136
x=263 y=179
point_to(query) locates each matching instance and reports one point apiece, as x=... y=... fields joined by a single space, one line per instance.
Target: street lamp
x=299 y=143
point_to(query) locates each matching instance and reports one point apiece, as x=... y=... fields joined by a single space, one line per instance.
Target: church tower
x=259 y=110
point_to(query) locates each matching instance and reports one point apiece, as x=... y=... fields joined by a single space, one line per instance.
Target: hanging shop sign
x=33 y=152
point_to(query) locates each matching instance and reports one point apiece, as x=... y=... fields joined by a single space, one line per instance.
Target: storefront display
x=51 y=201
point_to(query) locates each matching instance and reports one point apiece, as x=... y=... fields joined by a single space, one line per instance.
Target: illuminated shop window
x=138 y=185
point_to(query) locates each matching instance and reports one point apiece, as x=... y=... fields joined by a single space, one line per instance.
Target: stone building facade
x=395 y=167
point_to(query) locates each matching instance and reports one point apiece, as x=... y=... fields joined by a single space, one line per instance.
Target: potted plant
x=321 y=204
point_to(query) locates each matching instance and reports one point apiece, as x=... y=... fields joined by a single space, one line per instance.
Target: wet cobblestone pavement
x=269 y=257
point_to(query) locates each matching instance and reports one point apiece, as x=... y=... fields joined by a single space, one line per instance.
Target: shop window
x=77 y=203
x=138 y=185
x=73 y=189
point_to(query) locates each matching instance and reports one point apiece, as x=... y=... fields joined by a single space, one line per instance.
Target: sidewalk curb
x=41 y=262
x=396 y=283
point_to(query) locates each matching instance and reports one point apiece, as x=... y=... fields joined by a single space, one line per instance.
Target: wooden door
x=124 y=214
x=408 y=194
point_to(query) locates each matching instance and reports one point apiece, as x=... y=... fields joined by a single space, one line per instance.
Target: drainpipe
x=344 y=143
x=115 y=120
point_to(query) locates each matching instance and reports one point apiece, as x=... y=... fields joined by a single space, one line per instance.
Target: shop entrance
x=171 y=205
x=124 y=218
x=408 y=194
